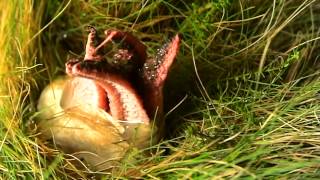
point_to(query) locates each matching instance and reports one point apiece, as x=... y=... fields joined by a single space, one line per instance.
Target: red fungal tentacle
x=156 y=69
x=91 y=52
x=170 y=53
x=108 y=38
x=155 y=72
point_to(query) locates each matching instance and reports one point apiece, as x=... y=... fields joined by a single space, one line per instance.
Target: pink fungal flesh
x=124 y=102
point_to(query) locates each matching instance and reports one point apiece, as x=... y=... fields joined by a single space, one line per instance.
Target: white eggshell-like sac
x=87 y=132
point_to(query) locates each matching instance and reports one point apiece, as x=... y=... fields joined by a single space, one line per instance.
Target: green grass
x=247 y=77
